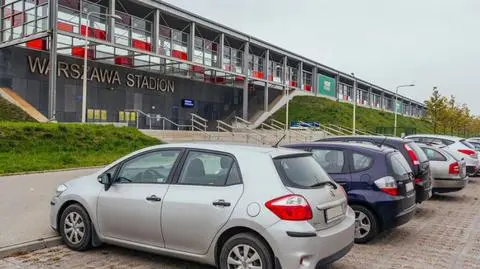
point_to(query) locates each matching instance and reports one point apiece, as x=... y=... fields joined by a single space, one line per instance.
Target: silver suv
x=225 y=205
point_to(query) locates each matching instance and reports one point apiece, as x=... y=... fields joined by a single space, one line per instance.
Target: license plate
x=409 y=186
x=333 y=213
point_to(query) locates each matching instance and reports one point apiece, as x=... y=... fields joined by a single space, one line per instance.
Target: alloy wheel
x=244 y=257
x=362 y=224
x=74 y=228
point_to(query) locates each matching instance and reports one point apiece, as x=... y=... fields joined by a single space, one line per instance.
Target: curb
x=51 y=171
x=30 y=246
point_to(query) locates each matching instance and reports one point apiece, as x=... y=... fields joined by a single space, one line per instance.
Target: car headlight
x=61 y=189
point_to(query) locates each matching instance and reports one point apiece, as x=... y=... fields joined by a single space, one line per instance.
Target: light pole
x=85 y=56
x=395 y=106
x=354 y=102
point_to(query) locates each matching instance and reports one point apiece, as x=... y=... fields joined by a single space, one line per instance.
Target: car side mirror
x=106 y=180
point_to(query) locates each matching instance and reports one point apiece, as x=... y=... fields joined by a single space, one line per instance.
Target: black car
x=415 y=156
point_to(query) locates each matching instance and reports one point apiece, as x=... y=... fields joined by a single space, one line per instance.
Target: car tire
x=75 y=228
x=369 y=229
x=238 y=244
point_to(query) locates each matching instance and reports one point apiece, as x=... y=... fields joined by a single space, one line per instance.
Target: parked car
x=448 y=171
x=475 y=142
x=413 y=154
x=453 y=144
x=378 y=182
x=225 y=205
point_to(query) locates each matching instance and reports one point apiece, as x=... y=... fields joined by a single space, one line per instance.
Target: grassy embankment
x=26 y=146
x=323 y=110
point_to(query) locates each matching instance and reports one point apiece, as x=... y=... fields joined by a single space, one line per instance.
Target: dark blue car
x=378 y=181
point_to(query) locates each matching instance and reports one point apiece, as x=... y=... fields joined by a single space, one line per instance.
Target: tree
x=436 y=108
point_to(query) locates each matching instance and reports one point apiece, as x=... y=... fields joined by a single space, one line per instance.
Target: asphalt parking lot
x=445 y=233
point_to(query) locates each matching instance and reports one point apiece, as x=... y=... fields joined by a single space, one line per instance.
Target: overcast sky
x=427 y=42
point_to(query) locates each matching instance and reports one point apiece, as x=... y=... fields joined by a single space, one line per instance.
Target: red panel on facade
x=293 y=83
x=228 y=68
x=95 y=33
x=258 y=74
x=38 y=44
x=64 y=27
x=198 y=69
x=220 y=80
x=270 y=78
x=18 y=20
x=80 y=52
x=239 y=78
x=123 y=60
x=308 y=87
x=179 y=54
x=142 y=45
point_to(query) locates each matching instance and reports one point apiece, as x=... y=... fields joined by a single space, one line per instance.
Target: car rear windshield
x=300 y=171
x=398 y=164
x=419 y=152
x=466 y=143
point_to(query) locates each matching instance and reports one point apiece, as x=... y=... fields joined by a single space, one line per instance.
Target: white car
x=454 y=145
x=225 y=205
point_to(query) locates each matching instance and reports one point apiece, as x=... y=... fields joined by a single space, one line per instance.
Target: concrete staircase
x=258 y=137
x=14 y=98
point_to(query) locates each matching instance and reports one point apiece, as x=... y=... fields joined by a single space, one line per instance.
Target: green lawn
x=323 y=110
x=45 y=146
x=10 y=112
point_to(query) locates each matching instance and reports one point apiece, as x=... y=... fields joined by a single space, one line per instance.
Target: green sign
x=326 y=85
x=399 y=106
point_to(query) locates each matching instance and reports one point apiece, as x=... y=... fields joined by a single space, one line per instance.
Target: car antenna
x=383 y=142
x=280 y=140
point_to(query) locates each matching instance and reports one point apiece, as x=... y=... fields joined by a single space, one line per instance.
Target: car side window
x=434 y=155
x=331 y=160
x=154 y=167
x=207 y=169
x=361 y=162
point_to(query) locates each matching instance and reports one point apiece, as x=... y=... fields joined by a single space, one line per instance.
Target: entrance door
x=131 y=209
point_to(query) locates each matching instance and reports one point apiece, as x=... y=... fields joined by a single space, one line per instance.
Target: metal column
x=221 y=49
x=111 y=21
x=300 y=75
x=315 y=80
x=382 y=100
x=191 y=43
x=266 y=76
x=52 y=76
x=156 y=31
x=337 y=86
x=245 y=82
x=370 y=97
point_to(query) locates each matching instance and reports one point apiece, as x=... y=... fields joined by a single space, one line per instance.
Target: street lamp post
x=395 y=106
x=354 y=103
x=85 y=62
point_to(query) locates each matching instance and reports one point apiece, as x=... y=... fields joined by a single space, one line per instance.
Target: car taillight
x=290 y=207
x=412 y=154
x=418 y=180
x=454 y=168
x=387 y=185
x=469 y=152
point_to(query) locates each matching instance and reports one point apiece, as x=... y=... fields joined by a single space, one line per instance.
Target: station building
x=149 y=57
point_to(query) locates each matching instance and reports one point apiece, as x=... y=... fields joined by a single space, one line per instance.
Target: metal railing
x=155 y=117
x=199 y=123
x=277 y=124
x=224 y=127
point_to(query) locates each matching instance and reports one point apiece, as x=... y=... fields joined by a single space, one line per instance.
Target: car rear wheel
x=366 y=225
x=245 y=251
x=75 y=228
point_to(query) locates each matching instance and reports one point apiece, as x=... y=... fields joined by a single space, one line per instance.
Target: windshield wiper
x=324 y=183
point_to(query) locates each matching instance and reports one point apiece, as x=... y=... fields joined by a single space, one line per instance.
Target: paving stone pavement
x=445 y=233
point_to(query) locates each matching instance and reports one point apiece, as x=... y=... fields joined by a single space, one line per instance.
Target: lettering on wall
x=101 y=75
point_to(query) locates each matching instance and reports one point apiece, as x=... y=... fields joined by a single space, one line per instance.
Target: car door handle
x=221 y=202
x=154 y=198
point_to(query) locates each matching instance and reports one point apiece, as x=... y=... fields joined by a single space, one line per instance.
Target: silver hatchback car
x=225 y=205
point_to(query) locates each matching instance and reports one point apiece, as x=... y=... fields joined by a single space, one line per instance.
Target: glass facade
x=23 y=18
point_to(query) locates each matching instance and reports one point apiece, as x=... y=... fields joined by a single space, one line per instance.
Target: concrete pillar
x=191 y=43
x=370 y=97
x=221 y=49
x=300 y=75
x=285 y=78
x=52 y=76
x=266 y=76
x=246 y=55
x=382 y=100
x=111 y=21
x=156 y=31
x=315 y=80
x=337 y=80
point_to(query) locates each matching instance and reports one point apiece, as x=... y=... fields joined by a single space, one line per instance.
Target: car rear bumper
x=404 y=216
x=394 y=211
x=449 y=185
x=423 y=192
x=312 y=249
x=472 y=170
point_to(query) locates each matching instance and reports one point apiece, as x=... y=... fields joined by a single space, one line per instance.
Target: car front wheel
x=245 y=251
x=75 y=228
